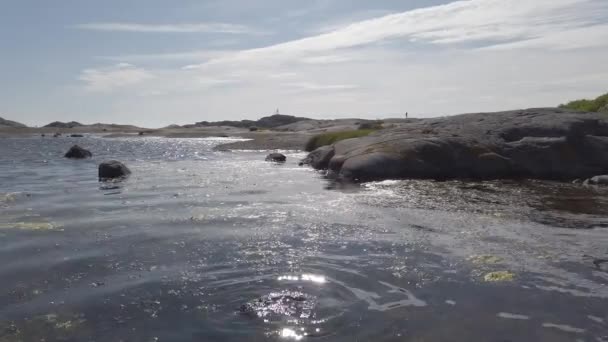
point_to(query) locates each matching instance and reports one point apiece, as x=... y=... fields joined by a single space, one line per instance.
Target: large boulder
x=597 y=180
x=319 y=158
x=276 y=157
x=113 y=169
x=545 y=143
x=77 y=152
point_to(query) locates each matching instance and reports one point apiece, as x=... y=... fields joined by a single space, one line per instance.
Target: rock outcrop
x=544 y=143
x=113 y=169
x=276 y=157
x=597 y=180
x=77 y=152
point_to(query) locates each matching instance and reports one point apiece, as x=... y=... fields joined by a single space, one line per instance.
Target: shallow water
x=200 y=245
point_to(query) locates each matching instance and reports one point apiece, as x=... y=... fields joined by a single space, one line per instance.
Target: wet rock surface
x=77 y=152
x=544 y=143
x=113 y=169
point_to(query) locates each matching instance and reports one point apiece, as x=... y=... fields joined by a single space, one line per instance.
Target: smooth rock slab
x=113 y=169
x=77 y=152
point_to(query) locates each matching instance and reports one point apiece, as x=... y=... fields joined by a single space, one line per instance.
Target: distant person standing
x=406 y=115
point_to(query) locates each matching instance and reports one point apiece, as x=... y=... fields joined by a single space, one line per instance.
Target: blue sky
x=157 y=62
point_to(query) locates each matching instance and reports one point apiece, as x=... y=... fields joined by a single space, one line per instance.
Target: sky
x=158 y=62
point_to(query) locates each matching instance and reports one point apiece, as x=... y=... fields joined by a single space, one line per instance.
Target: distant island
x=280 y=122
x=272 y=121
x=10 y=124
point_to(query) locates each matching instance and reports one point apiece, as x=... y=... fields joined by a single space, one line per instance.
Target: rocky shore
x=268 y=141
x=544 y=143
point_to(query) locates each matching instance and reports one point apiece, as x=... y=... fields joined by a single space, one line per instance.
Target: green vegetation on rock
x=371 y=125
x=333 y=137
x=600 y=104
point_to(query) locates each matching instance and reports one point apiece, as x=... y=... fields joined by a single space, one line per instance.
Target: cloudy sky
x=157 y=62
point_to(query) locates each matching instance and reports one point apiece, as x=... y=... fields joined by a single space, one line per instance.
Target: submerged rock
x=77 y=152
x=293 y=304
x=545 y=143
x=499 y=276
x=113 y=169
x=276 y=157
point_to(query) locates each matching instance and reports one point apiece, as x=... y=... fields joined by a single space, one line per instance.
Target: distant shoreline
x=261 y=140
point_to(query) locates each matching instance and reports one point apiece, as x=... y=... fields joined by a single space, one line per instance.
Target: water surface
x=200 y=245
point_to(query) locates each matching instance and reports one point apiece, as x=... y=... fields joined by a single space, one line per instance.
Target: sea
x=203 y=245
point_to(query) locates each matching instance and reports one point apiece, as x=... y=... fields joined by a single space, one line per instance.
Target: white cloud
x=283 y=75
x=576 y=38
x=312 y=86
x=326 y=59
x=487 y=22
x=193 y=55
x=170 y=28
x=476 y=55
x=117 y=76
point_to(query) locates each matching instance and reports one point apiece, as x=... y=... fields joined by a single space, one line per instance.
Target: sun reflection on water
x=291 y=334
x=314 y=278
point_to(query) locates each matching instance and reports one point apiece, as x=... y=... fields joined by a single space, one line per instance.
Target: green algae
x=499 y=276
x=29 y=226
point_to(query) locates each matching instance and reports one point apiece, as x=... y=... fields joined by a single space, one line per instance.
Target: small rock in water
x=276 y=157
x=77 y=136
x=113 y=169
x=77 y=152
x=12 y=329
